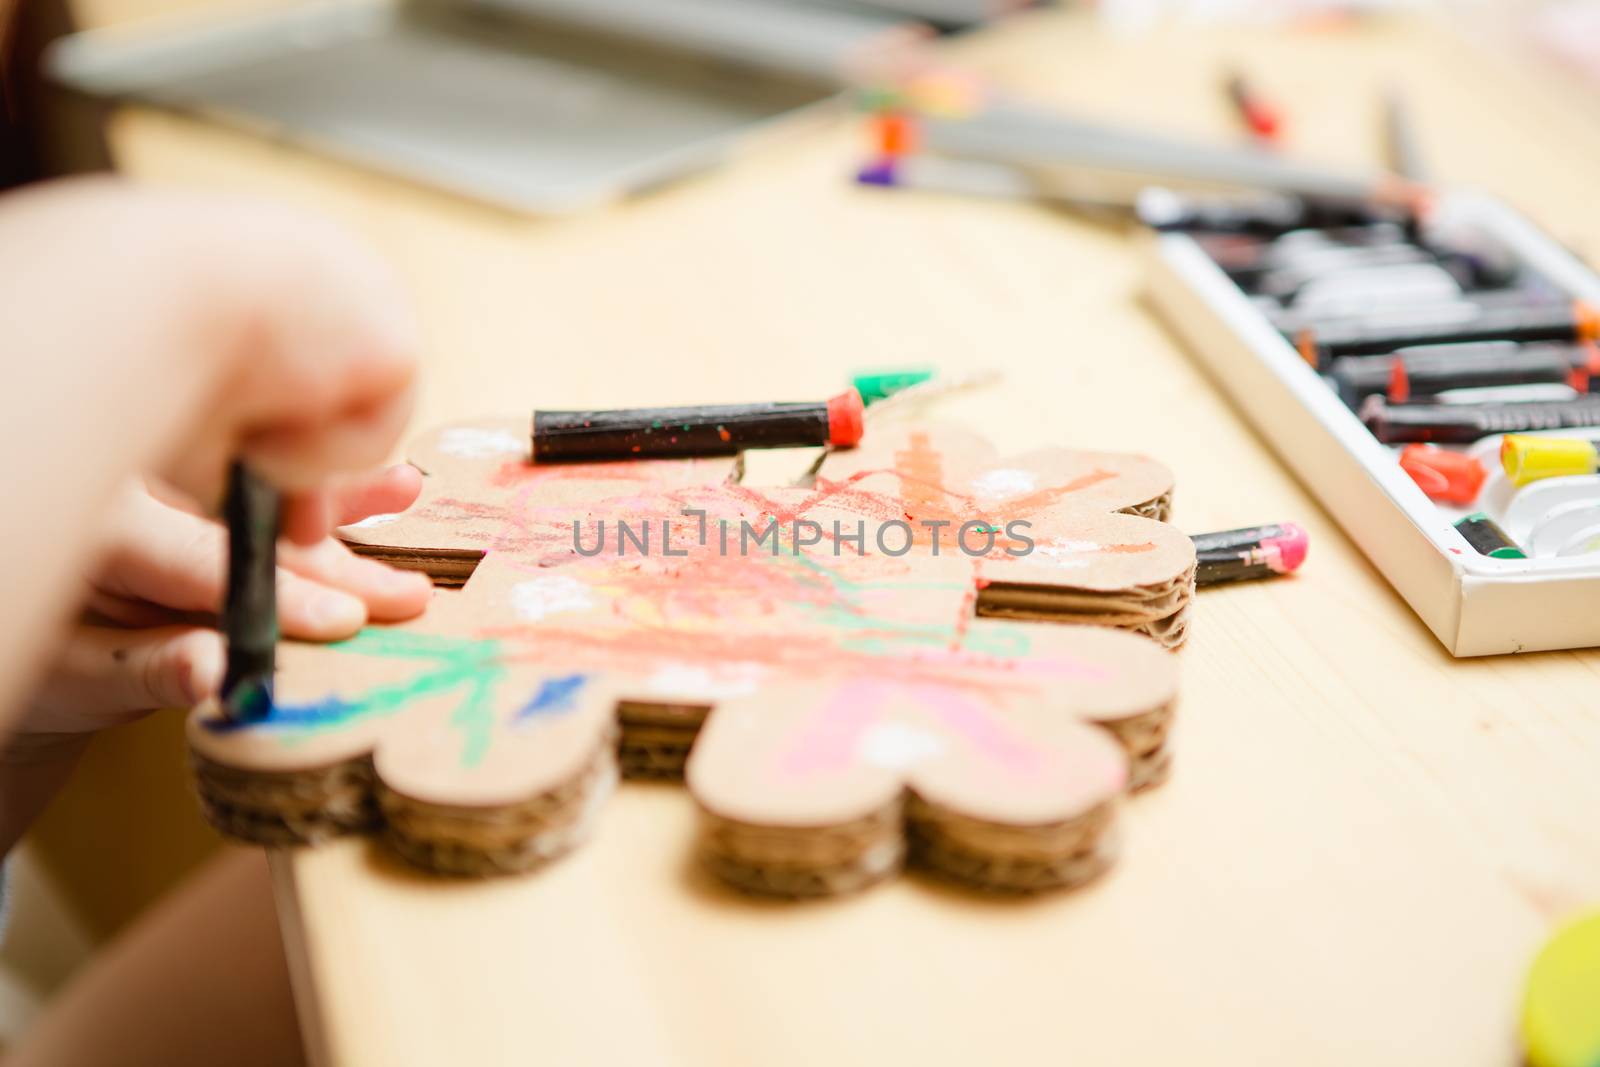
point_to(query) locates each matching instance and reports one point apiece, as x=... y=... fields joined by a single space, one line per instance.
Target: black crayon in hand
x=250 y=614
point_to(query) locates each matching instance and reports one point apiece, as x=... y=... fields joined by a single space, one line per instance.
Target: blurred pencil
x=1159 y=208
x=1026 y=138
x=1400 y=138
x=1259 y=116
x=980 y=178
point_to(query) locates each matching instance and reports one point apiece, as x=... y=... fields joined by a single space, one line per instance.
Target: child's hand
x=170 y=333
x=148 y=639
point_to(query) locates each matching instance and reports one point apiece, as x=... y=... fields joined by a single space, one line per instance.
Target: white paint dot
x=1003 y=482
x=374 y=520
x=1063 y=552
x=896 y=747
x=473 y=442
x=693 y=681
x=552 y=594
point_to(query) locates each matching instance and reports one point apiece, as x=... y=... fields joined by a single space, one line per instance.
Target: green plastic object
x=1485 y=535
x=879 y=385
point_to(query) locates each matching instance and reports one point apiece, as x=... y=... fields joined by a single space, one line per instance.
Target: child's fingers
x=299 y=456
x=107 y=675
x=173 y=498
x=387 y=593
x=176 y=560
x=312 y=611
x=310 y=517
x=306 y=517
x=165 y=556
x=389 y=490
x=319 y=341
x=105 y=609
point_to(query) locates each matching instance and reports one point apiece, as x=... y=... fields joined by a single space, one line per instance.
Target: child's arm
x=161 y=333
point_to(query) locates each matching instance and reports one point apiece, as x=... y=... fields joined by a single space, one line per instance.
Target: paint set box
x=1254 y=346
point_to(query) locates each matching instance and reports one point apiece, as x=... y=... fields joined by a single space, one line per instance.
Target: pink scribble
x=829 y=740
x=981 y=727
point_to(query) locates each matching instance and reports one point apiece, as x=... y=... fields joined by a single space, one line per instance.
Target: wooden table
x=1364 y=840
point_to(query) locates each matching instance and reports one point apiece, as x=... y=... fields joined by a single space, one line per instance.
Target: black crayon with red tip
x=1412 y=373
x=1460 y=424
x=714 y=430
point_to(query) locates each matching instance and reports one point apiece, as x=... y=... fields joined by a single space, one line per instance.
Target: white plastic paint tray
x=1475 y=604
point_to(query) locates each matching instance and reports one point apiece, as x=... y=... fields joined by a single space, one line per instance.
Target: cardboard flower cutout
x=819 y=650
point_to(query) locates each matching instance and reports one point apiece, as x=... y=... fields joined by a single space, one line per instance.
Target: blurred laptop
x=542 y=106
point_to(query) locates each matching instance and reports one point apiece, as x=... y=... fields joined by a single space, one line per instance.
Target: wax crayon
x=1428 y=370
x=1585 y=354
x=1036 y=139
x=1290 y=320
x=1356 y=294
x=1264 y=216
x=880 y=385
x=1245 y=256
x=1464 y=423
x=976 y=178
x=1487 y=539
x=640 y=433
x=1400 y=138
x=894 y=134
x=1257 y=113
x=1576 y=322
x=1453 y=477
x=1284 y=277
x=1537 y=393
x=1461 y=306
x=250 y=611
x=880 y=171
x=1528 y=458
x=1250 y=552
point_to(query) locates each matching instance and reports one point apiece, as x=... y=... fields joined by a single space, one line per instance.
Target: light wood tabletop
x=1363 y=841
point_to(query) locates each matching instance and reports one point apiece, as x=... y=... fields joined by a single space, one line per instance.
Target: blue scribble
x=470 y=667
x=329 y=711
x=554 y=695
